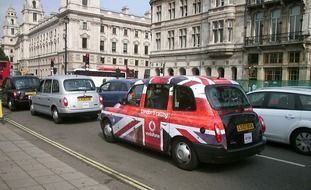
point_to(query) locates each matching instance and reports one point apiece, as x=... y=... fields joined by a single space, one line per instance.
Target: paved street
x=277 y=168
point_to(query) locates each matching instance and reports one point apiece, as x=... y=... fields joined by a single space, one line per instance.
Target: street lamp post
x=66 y=20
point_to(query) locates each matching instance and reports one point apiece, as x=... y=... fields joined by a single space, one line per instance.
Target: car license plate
x=84 y=99
x=30 y=93
x=244 y=127
x=248 y=138
x=85 y=105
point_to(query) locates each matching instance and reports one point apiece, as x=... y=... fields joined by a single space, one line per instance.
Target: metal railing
x=275 y=39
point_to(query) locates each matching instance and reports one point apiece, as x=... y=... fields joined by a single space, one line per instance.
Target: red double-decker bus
x=5 y=67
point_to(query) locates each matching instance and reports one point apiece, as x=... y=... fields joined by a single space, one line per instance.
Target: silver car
x=66 y=95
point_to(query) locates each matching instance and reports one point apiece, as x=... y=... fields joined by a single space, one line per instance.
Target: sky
x=136 y=7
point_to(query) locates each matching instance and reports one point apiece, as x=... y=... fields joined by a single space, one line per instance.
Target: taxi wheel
x=32 y=109
x=107 y=131
x=11 y=105
x=301 y=141
x=57 y=119
x=184 y=155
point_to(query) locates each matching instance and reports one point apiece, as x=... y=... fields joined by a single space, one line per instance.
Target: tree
x=3 y=56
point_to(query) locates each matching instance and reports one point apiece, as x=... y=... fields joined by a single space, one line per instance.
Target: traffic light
x=54 y=71
x=86 y=60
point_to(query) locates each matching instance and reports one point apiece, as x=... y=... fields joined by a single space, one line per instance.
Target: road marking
x=101 y=167
x=280 y=160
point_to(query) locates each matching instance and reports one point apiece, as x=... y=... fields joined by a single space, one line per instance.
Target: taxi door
x=155 y=114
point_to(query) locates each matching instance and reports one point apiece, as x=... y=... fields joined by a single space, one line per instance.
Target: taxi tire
x=55 y=115
x=178 y=146
x=108 y=135
x=301 y=135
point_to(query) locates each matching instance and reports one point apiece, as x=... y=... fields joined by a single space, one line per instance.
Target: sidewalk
x=24 y=166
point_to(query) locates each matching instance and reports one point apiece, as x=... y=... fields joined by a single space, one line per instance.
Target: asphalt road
x=278 y=167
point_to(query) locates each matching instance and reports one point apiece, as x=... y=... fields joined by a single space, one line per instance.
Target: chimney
x=147 y=14
x=125 y=10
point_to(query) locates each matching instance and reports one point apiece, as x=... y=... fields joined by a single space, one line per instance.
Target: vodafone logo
x=152 y=126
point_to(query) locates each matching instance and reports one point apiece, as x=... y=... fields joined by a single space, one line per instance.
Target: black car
x=16 y=91
x=113 y=91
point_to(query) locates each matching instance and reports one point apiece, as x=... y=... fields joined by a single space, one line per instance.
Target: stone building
x=80 y=27
x=235 y=39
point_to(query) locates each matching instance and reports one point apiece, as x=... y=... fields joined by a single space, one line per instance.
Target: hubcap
x=10 y=104
x=107 y=130
x=55 y=114
x=303 y=142
x=183 y=152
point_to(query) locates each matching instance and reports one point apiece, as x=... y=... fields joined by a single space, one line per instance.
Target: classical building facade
x=235 y=39
x=114 y=39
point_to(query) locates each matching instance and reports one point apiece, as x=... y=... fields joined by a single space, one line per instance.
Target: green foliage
x=3 y=56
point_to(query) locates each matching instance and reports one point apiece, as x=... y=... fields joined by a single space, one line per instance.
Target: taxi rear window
x=79 y=85
x=221 y=97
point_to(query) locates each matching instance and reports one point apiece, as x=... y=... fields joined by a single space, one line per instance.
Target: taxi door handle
x=289 y=116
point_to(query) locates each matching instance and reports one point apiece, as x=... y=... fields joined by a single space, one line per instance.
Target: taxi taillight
x=101 y=100
x=65 y=101
x=14 y=94
x=218 y=136
x=263 y=125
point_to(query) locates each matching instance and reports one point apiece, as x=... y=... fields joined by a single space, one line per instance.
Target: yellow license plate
x=244 y=127
x=30 y=93
x=84 y=99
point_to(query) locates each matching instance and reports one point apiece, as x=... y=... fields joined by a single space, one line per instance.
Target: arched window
x=12 y=21
x=195 y=71
x=170 y=72
x=182 y=71
x=221 y=72
x=157 y=70
x=208 y=71
x=34 y=4
x=234 y=73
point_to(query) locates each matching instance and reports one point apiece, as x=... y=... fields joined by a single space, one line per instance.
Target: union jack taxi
x=192 y=118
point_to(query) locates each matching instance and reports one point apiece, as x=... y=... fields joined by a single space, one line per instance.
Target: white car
x=287 y=114
x=66 y=95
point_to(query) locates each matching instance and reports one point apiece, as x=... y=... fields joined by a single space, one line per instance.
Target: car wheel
x=32 y=109
x=184 y=155
x=11 y=105
x=301 y=141
x=107 y=131
x=56 y=117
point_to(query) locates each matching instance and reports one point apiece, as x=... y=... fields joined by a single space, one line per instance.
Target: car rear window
x=226 y=97
x=79 y=85
x=25 y=83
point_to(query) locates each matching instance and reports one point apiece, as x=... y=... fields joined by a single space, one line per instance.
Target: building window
x=84 y=43
x=183 y=37
x=102 y=60
x=114 y=61
x=84 y=25
x=218 y=31
x=125 y=32
x=293 y=73
x=12 y=31
x=102 y=45
x=146 y=50
x=171 y=39
x=146 y=63
x=171 y=9
x=273 y=74
x=258 y=27
x=273 y=58
x=34 y=4
x=230 y=30
x=136 y=62
x=34 y=16
x=135 y=49
x=11 y=50
x=126 y=62
x=158 y=13
x=136 y=33
x=12 y=21
x=196 y=31
x=158 y=40
x=114 y=30
x=102 y=29
x=146 y=35
x=114 y=47
x=183 y=8
x=294 y=57
x=197 y=6
x=219 y=3
x=124 y=47
x=294 y=23
x=11 y=59
x=84 y=3
x=275 y=25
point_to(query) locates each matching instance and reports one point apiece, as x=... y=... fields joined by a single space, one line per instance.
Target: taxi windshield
x=221 y=97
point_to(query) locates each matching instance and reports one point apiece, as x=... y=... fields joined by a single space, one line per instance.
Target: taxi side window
x=47 y=86
x=134 y=95
x=41 y=86
x=184 y=99
x=157 y=96
x=55 y=86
